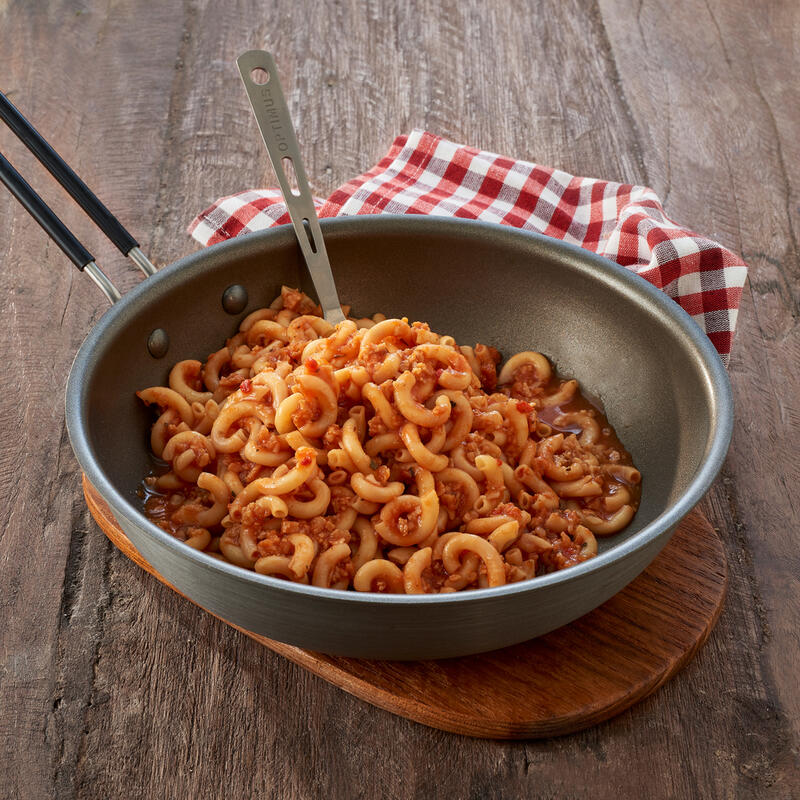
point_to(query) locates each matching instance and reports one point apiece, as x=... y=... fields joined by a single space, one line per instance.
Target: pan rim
x=716 y=378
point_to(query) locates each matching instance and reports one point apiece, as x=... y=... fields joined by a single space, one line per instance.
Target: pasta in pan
x=380 y=456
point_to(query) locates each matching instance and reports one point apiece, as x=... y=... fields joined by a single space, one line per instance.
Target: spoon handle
x=263 y=88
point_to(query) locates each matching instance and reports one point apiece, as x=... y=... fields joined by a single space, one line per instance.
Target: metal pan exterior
x=660 y=380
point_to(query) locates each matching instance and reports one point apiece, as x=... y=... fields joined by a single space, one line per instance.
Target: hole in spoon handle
x=310 y=235
x=291 y=176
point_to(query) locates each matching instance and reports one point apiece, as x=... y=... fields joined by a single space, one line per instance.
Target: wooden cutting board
x=574 y=677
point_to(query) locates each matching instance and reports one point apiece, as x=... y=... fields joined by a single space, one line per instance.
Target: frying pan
x=657 y=375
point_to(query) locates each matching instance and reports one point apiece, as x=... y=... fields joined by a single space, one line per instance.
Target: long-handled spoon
x=260 y=78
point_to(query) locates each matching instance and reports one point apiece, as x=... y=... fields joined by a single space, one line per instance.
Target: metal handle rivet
x=234 y=299
x=158 y=343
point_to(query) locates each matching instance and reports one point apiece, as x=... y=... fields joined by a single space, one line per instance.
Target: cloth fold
x=425 y=174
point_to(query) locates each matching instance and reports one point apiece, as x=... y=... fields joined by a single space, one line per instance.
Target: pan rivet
x=234 y=299
x=158 y=343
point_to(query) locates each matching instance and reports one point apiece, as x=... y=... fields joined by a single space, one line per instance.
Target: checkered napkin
x=425 y=174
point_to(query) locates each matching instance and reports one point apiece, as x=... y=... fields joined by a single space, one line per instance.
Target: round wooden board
x=574 y=677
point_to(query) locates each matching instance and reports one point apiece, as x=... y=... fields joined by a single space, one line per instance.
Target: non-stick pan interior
x=480 y=283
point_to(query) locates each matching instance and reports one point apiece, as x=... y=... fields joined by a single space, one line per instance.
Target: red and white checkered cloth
x=425 y=174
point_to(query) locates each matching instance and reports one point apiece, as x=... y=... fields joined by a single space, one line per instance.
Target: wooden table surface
x=110 y=685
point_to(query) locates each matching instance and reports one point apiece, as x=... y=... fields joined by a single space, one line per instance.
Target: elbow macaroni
x=381 y=457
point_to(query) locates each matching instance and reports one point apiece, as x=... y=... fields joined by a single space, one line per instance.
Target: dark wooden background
x=110 y=685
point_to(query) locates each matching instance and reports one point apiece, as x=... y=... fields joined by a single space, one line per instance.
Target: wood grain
x=575 y=677
x=699 y=100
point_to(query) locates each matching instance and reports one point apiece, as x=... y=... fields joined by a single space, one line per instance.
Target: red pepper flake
x=312 y=365
x=246 y=386
x=524 y=407
x=305 y=461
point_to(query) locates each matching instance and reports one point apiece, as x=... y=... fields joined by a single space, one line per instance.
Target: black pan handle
x=80 y=192
x=55 y=228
